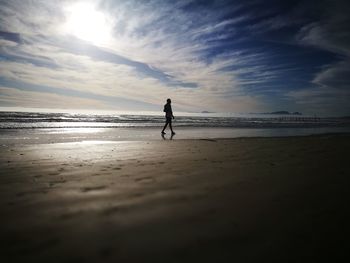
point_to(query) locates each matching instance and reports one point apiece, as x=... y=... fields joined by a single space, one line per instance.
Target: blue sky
x=220 y=56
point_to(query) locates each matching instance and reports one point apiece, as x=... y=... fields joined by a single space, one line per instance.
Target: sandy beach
x=227 y=200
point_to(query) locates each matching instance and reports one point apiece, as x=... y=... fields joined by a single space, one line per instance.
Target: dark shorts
x=168 y=119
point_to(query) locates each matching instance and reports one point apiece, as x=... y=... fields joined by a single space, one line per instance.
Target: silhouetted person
x=168 y=116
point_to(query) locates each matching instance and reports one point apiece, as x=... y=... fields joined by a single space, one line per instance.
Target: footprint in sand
x=52 y=183
x=93 y=188
x=21 y=194
x=209 y=140
x=145 y=179
x=114 y=209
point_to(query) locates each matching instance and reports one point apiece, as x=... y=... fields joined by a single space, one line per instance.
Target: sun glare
x=85 y=22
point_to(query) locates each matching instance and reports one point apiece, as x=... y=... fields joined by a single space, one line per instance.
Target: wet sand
x=227 y=200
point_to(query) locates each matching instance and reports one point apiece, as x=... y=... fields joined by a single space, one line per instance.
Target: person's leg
x=171 y=128
x=166 y=124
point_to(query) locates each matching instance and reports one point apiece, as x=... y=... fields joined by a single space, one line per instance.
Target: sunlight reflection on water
x=73 y=130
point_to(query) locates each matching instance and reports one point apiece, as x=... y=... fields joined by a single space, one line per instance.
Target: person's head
x=168 y=100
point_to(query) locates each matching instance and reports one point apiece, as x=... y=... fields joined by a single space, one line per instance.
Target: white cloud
x=19 y=98
x=329 y=94
x=329 y=91
x=163 y=38
x=7 y=43
x=336 y=76
x=325 y=37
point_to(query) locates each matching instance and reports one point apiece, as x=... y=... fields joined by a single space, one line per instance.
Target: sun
x=86 y=23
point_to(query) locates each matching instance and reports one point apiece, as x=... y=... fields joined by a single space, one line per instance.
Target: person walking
x=168 y=116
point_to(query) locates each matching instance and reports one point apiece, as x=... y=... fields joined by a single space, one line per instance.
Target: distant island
x=283 y=113
x=274 y=112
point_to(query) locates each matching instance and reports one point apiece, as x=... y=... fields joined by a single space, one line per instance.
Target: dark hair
x=168 y=100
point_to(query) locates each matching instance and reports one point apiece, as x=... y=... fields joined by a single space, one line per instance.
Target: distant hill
x=283 y=113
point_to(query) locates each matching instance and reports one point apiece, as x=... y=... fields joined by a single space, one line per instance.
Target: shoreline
x=42 y=136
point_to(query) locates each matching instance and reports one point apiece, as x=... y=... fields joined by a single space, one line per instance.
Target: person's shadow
x=165 y=138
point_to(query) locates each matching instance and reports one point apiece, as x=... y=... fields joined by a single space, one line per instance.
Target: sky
x=217 y=56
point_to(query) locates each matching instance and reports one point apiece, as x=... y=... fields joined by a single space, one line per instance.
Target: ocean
x=30 y=120
x=34 y=127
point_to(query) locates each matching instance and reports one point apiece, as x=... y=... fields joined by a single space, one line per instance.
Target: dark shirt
x=168 y=111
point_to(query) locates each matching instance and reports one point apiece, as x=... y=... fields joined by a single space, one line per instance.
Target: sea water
x=52 y=127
